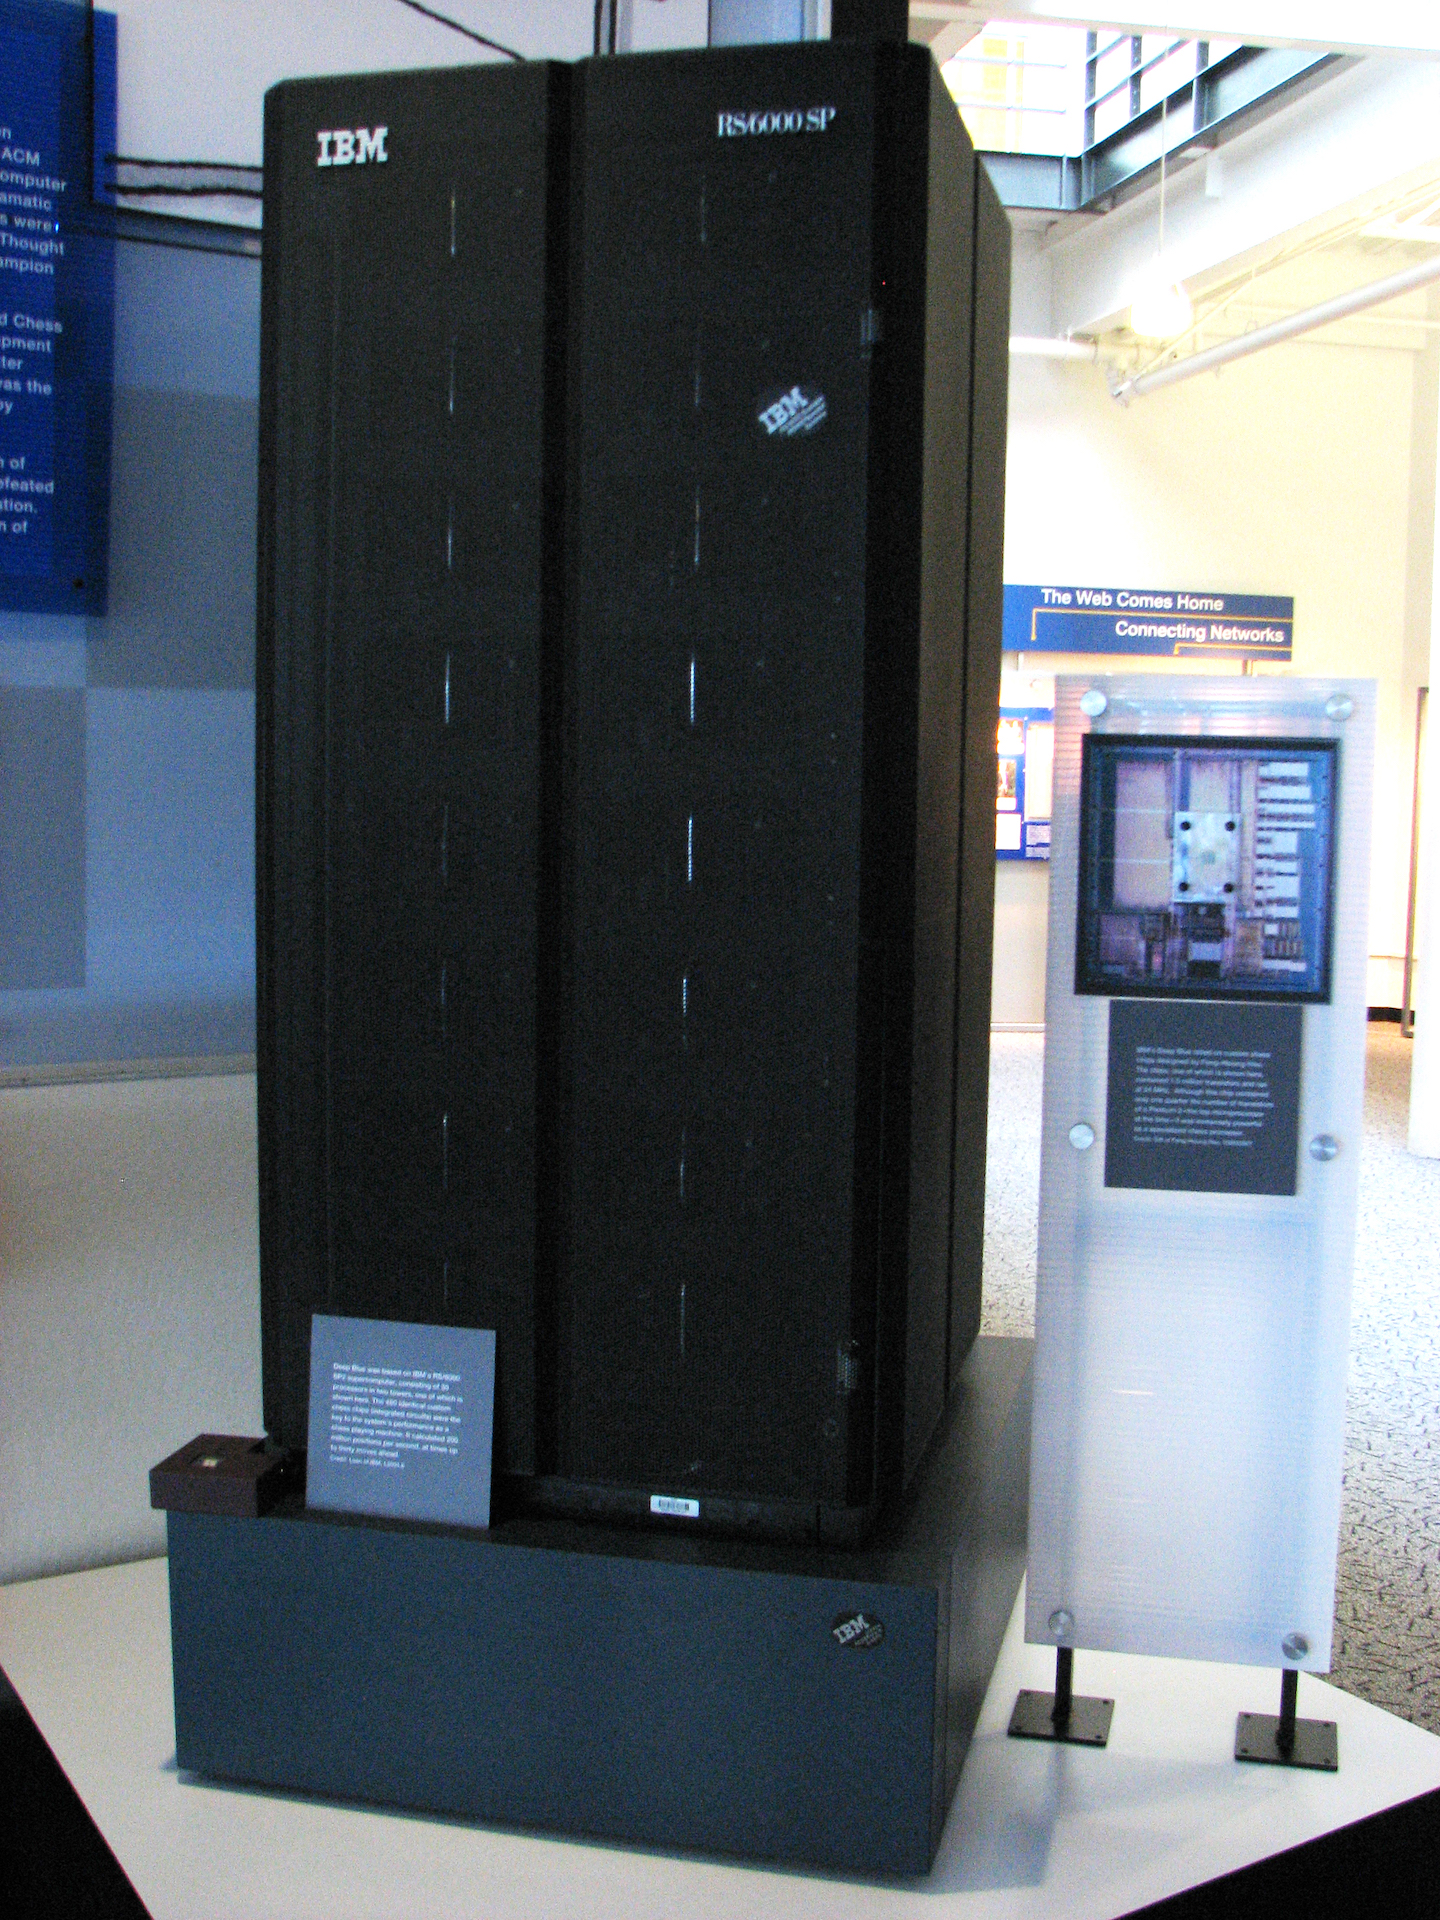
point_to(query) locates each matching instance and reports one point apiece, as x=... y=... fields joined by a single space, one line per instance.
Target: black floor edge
x=53 y=1859
x=1387 y=1864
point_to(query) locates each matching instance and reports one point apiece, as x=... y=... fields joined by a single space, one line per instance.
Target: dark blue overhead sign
x=1180 y=623
x=56 y=317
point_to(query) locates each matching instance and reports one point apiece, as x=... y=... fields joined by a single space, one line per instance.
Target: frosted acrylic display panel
x=1191 y=1344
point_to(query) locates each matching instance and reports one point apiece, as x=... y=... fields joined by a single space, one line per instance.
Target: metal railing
x=1104 y=108
x=1195 y=53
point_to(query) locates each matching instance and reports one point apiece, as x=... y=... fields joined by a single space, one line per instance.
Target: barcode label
x=668 y=1503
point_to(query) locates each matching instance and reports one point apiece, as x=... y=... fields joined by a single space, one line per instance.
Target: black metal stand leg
x=1282 y=1740
x=1289 y=1693
x=1064 y=1686
x=1075 y=1720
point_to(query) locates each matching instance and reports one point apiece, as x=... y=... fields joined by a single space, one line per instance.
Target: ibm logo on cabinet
x=799 y=411
x=350 y=146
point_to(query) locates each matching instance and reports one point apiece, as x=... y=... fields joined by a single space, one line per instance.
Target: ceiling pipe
x=1029 y=346
x=1355 y=301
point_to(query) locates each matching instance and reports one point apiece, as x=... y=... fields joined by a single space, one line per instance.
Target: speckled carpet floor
x=1387 y=1627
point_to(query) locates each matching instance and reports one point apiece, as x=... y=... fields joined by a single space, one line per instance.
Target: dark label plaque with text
x=402 y=1419
x=1203 y=1097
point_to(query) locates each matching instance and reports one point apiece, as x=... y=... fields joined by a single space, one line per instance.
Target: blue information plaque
x=402 y=1420
x=57 y=305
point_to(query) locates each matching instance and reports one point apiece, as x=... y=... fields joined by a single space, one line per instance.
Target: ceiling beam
x=1329 y=26
x=1365 y=135
x=1422 y=274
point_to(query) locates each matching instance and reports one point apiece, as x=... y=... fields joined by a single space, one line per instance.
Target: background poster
x=1023 y=783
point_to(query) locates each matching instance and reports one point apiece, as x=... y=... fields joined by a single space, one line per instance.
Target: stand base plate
x=1087 y=1726
x=1315 y=1742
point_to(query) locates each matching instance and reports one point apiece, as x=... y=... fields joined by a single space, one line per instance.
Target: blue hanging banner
x=57 y=305
x=1179 y=623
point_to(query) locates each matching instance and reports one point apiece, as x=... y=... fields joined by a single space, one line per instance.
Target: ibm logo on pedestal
x=859 y=1631
x=350 y=146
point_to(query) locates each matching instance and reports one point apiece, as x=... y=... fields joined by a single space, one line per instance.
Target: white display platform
x=1035 y=1829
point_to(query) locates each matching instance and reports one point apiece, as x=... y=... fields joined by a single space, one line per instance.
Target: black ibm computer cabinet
x=632 y=448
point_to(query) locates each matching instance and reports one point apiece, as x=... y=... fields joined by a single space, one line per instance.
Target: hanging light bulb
x=1160 y=308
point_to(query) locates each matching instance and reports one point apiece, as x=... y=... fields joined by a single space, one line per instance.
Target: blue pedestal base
x=780 y=1703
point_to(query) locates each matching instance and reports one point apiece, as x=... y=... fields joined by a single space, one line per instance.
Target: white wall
x=129 y=1305
x=192 y=74
x=1289 y=472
